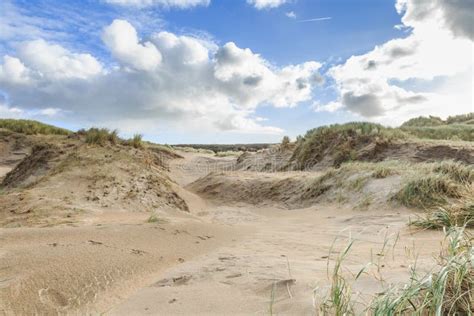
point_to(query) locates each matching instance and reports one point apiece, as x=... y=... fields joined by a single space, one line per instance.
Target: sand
x=217 y=259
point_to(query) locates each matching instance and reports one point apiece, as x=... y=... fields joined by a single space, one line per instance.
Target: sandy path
x=284 y=253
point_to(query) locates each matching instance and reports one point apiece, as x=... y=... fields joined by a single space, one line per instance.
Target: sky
x=233 y=71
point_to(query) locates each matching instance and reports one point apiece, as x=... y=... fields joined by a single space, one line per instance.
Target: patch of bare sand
x=91 y=268
x=288 y=255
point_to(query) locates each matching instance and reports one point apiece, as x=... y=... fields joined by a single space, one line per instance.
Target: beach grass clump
x=428 y=191
x=100 y=136
x=459 y=213
x=136 y=141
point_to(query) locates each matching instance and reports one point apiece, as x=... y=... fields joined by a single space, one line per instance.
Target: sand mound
x=33 y=167
x=272 y=159
x=64 y=181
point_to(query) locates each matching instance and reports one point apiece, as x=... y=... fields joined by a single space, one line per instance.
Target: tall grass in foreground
x=339 y=299
x=448 y=290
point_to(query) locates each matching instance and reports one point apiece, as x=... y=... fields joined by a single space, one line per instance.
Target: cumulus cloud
x=122 y=40
x=291 y=14
x=266 y=4
x=382 y=84
x=170 y=80
x=456 y=15
x=182 y=4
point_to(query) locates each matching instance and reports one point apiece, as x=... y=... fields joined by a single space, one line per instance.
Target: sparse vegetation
x=339 y=299
x=153 y=218
x=449 y=291
x=30 y=127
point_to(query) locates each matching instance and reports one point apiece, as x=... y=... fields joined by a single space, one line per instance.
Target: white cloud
x=266 y=4
x=122 y=40
x=291 y=14
x=13 y=70
x=381 y=84
x=181 y=4
x=179 y=82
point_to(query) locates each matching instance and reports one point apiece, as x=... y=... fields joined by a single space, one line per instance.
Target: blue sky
x=204 y=71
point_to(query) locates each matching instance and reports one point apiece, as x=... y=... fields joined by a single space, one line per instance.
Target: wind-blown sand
x=217 y=259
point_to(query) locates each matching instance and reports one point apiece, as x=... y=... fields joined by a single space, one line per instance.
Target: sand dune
x=246 y=242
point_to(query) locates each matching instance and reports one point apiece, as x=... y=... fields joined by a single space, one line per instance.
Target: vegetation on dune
x=447 y=132
x=436 y=184
x=341 y=142
x=459 y=127
x=30 y=127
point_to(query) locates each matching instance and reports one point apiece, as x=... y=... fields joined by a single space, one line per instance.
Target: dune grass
x=136 y=141
x=30 y=127
x=100 y=136
x=459 y=213
x=447 y=290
